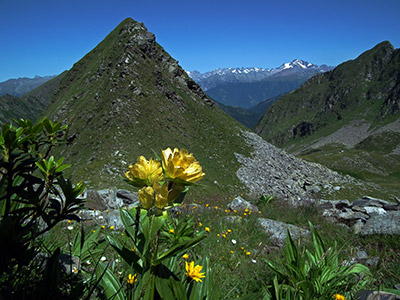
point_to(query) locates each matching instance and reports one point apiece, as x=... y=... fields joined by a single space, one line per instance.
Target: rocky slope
x=271 y=171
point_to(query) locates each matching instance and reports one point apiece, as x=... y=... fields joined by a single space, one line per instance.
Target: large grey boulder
x=240 y=205
x=388 y=223
x=278 y=231
x=109 y=199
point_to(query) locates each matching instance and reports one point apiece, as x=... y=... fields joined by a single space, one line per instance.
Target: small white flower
x=70 y=228
x=117 y=260
x=103 y=258
x=233 y=241
x=253 y=261
x=88 y=262
x=75 y=270
x=100 y=217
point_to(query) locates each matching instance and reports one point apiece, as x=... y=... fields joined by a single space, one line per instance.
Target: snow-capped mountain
x=212 y=79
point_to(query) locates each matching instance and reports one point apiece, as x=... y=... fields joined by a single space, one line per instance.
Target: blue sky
x=47 y=37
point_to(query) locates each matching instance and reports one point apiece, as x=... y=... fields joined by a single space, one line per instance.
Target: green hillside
x=346 y=119
x=128 y=97
x=29 y=106
x=366 y=89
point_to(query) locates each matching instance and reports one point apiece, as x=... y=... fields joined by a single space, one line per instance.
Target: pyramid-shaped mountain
x=346 y=105
x=128 y=97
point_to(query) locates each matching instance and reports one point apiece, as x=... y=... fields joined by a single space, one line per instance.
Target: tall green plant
x=34 y=197
x=154 y=240
x=314 y=275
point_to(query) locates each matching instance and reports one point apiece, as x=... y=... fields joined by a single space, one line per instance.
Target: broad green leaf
x=178 y=248
x=110 y=284
x=130 y=257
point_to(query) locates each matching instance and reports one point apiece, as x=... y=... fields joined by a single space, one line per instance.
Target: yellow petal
x=146 y=196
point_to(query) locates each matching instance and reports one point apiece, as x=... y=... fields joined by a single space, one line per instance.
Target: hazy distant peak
x=211 y=79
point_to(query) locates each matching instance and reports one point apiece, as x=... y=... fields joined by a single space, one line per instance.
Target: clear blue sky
x=45 y=37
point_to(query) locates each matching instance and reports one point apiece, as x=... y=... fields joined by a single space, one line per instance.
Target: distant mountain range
x=21 y=86
x=247 y=87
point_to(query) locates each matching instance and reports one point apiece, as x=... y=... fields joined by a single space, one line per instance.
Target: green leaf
x=290 y=249
x=129 y=256
x=110 y=284
x=393 y=291
x=164 y=277
x=319 y=246
x=178 y=248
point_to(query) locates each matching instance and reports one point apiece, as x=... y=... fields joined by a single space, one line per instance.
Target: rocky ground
x=271 y=171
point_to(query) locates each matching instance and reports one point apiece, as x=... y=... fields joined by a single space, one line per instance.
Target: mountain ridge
x=127 y=97
x=347 y=119
x=247 y=87
x=247 y=74
x=335 y=95
x=18 y=87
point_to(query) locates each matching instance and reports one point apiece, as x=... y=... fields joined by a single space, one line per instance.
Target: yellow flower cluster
x=162 y=182
x=339 y=297
x=181 y=166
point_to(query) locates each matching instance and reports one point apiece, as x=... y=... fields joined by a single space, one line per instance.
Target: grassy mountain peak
x=128 y=97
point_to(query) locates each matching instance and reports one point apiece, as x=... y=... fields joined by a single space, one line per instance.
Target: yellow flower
x=200 y=224
x=144 y=172
x=181 y=166
x=339 y=297
x=111 y=227
x=185 y=256
x=161 y=195
x=146 y=196
x=132 y=278
x=207 y=229
x=194 y=271
x=171 y=231
x=166 y=196
x=248 y=253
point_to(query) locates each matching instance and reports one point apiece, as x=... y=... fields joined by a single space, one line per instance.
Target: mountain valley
x=128 y=97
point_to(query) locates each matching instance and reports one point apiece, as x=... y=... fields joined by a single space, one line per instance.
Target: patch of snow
x=287 y=66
